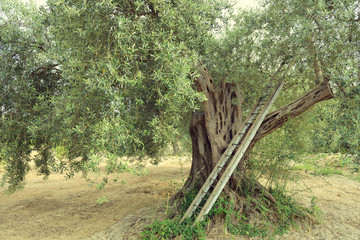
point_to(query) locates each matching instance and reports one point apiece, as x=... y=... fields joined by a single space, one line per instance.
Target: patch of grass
x=352 y=162
x=330 y=164
x=304 y=167
x=325 y=171
x=171 y=228
x=357 y=178
x=101 y=200
x=244 y=228
x=320 y=164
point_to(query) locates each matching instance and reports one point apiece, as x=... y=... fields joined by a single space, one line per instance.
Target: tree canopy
x=82 y=78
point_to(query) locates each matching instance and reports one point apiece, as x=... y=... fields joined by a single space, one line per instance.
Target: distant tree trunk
x=175 y=146
x=212 y=130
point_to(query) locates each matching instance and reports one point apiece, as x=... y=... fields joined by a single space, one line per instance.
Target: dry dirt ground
x=68 y=209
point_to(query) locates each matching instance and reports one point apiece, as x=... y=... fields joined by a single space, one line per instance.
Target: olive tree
x=105 y=79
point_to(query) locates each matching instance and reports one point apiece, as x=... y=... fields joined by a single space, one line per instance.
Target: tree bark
x=212 y=130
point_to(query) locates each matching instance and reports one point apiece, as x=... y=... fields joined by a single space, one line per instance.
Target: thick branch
x=279 y=117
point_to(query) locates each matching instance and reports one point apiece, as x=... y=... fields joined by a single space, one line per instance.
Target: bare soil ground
x=68 y=209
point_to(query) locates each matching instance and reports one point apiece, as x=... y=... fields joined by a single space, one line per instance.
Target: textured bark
x=212 y=130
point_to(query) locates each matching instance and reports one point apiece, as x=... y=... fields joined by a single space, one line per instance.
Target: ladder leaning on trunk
x=240 y=143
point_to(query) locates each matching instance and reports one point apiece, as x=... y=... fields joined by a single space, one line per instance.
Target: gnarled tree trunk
x=212 y=130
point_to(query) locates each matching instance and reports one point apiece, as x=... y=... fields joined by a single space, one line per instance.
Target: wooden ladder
x=241 y=142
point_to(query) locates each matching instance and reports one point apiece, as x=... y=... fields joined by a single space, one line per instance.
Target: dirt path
x=67 y=209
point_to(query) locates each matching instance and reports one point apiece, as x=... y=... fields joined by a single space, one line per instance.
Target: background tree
x=28 y=82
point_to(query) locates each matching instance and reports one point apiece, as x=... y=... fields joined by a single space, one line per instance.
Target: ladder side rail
x=236 y=159
x=220 y=164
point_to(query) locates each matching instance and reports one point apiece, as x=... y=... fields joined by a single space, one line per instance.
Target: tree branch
x=279 y=117
x=43 y=71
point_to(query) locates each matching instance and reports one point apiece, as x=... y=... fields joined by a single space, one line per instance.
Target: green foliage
x=303 y=140
x=273 y=156
x=351 y=162
x=169 y=229
x=327 y=171
x=336 y=128
x=101 y=200
x=328 y=164
x=331 y=126
x=28 y=80
x=282 y=214
x=97 y=79
x=246 y=229
x=287 y=211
